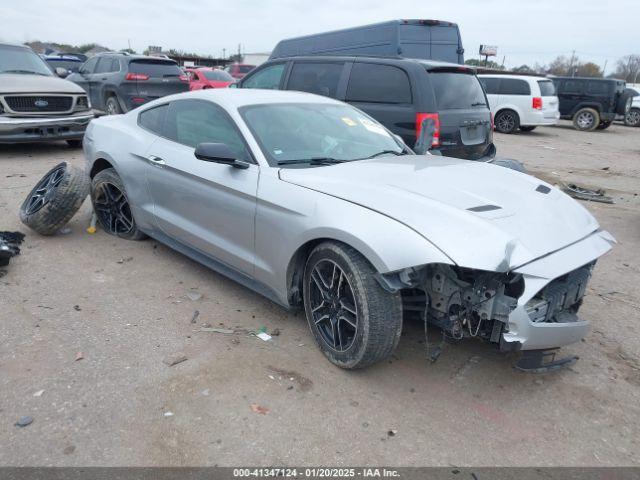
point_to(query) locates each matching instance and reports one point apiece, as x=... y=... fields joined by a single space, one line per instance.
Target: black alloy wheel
x=112 y=208
x=45 y=190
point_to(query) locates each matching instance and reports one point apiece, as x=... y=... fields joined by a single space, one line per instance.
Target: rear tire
x=527 y=128
x=111 y=206
x=586 y=119
x=507 y=121
x=632 y=118
x=112 y=106
x=55 y=199
x=355 y=321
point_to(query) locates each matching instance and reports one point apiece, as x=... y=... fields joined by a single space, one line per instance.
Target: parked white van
x=520 y=102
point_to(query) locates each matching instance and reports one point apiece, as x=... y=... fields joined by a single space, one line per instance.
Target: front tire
x=112 y=106
x=632 y=118
x=111 y=205
x=355 y=322
x=507 y=121
x=586 y=119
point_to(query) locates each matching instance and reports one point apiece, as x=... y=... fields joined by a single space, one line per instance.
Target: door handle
x=155 y=161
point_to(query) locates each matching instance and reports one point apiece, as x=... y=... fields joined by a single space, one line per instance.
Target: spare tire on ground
x=55 y=199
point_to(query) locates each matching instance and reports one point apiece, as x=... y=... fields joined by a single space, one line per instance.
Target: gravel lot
x=125 y=306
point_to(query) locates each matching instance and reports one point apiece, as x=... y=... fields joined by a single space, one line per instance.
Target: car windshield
x=306 y=134
x=155 y=68
x=217 y=75
x=71 y=65
x=457 y=90
x=21 y=60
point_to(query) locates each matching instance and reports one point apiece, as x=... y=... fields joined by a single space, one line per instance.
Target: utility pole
x=129 y=42
x=224 y=53
x=604 y=69
x=573 y=74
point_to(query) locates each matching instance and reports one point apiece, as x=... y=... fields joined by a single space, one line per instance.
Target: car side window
x=104 y=65
x=191 y=122
x=374 y=83
x=597 y=88
x=152 y=119
x=89 y=65
x=268 y=78
x=513 y=86
x=491 y=85
x=571 y=86
x=318 y=78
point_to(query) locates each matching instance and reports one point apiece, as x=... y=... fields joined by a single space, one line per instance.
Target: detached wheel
x=632 y=118
x=354 y=321
x=604 y=125
x=586 y=119
x=111 y=205
x=528 y=128
x=112 y=106
x=55 y=199
x=507 y=121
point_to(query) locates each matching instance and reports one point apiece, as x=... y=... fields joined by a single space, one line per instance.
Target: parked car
x=520 y=102
x=119 y=82
x=424 y=39
x=591 y=103
x=632 y=118
x=399 y=93
x=202 y=78
x=238 y=70
x=306 y=200
x=35 y=105
x=70 y=63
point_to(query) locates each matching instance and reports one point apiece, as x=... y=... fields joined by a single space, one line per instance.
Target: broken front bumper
x=526 y=331
x=38 y=129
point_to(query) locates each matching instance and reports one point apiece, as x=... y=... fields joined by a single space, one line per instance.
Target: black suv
x=118 y=82
x=398 y=92
x=591 y=102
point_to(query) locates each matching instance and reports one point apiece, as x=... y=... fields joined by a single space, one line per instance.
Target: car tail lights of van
x=536 y=103
x=136 y=76
x=420 y=117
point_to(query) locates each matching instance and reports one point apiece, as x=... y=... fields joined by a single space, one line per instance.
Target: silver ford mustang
x=312 y=203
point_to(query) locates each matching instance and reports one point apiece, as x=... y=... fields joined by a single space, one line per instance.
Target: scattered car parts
x=9 y=246
x=55 y=199
x=582 y=193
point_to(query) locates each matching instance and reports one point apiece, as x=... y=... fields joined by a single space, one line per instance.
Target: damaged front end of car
x=533 y=309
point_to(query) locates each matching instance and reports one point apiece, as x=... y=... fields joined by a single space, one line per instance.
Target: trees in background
x=628 y=69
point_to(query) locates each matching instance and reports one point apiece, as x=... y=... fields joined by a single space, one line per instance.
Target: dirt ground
x=125 y=307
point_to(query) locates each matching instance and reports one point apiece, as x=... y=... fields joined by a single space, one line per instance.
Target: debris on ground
x=168 y=414
x=124 y=260
x=9 y=246
x=24 y=421
x=205 y=392
x=305 y=384
x=79 y=356
x=264 y=336
x=174 y=359
x=38 y=393
x=77 y=308
x=194 y=296
x=225 y=331
x=196 y=314
x=64 y=231
x=392 y=433
x=582 y=193
x=255 y=408
x=275 y=332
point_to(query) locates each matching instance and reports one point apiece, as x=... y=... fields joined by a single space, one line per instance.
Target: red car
x=239 y=70
x=201 y=78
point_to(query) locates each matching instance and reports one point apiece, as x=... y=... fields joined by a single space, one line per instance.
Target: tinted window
x=22 y=60
x=571 y=86
x=491 y=85
x=547 y=88
x=217 y=75
x=153 y=119
x=318 y=78
x=89 y=65
x=512 y=86
x=378 y=84
x=106 y=65
x=71 y=65
x=155 y=68
x=457 y=90
x=191 y=122
x=598 y=88
x=245 y=68
x=268 y=78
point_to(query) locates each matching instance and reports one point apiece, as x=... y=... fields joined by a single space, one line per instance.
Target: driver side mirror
x=425 y=139
x=62 y=72
x=218 y=153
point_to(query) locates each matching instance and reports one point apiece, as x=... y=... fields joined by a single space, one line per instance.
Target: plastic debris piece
x=264 y=336
x=79 y=356
x=194 y=296
x=582 y=193
x=24 y=421
x=168 y=414
x=174 y=359
x=255 y=408
x=38 y=393
x=225 y=331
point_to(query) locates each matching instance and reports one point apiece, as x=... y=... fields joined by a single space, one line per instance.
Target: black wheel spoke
x=45 y=190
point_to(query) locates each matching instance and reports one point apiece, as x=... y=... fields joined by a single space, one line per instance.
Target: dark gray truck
x=421 y=39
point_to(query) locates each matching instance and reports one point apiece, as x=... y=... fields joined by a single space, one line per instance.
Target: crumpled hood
x=24 y=83
x=480 y=215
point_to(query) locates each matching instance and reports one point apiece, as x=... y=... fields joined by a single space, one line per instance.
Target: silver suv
x=36 y=105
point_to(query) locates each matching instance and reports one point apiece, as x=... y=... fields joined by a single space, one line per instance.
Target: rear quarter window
x=597 y=88
x=156 y=69
x=514 y=86
x=547 y=88
x=152 y=119
x=378 y=84
x=457 y=90
x=491 y=85
x=571 y=86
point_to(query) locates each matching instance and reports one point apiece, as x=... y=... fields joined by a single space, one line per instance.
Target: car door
x=515 y=94
x=321 y=78
x=570 y=95
x=83 y=77
x=102 y=76
x=207 y=206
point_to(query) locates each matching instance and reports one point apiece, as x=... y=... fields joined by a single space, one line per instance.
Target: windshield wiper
x=23 y=71
x=312 y=161
x=385 y=152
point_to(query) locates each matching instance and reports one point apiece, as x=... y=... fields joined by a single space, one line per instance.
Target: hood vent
x=543 y=189
x=484 y=208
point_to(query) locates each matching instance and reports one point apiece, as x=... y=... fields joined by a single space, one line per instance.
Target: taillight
x=537 y=103
x=184 y=78
x=136 y=76
x=420 y=117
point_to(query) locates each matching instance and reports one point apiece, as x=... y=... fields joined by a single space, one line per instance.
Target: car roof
x=518 y=77
x=234 y=98
x=128 y=56
x=427 y=63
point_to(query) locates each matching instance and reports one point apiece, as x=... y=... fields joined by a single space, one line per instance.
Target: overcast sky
x=524 y=31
